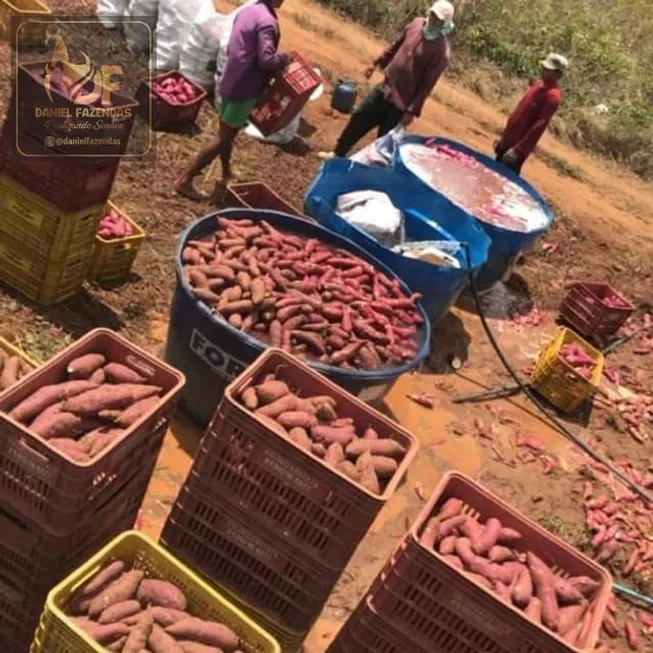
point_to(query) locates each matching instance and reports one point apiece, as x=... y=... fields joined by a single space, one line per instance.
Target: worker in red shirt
x=532 y=115
x=412 y=65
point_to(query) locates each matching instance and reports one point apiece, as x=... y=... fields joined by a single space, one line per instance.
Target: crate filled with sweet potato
x=536 y=588
x=303 y=456
x=75 y=428
x=14 y=365
x=134 y=597
x=319 y=302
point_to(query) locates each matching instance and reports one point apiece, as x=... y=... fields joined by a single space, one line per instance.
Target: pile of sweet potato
x=303 y=296
x=90 y=408
x=492 y=555
x=113 y=226
x=12 y=369
x=126 y=612
x=313 y=424
x=579 y=359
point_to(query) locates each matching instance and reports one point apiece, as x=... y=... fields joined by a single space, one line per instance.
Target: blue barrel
x=210 y=352
x=506 y=245
x=344 y=96
x=440 y=285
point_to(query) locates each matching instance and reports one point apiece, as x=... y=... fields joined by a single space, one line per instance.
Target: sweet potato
x=196 y=647
x=483 y=582
x=453 y=560
x=430 y=533
x=102 y=579
x=566 y=592
x=293 y=418
x=522 y=591
x=118 y=373
x=508 y=536
x=205 y=632
x=121 y=589
x=471 y=529
x=544 y=590
x=70 y=448
x=249 y=398
x=381 y=447
x=284 y=404
x=368 y=477
x=10 y=372
x=585 y=585
x=299 y=436
x=161 y=642
x=463 y=549
x=534 y=611
x=98 y=377
x=99 y=439
x=273 y=425
x=384 y=467
x=54 y=424
x=47 y=395
x=117 y=646
x=161 y=593
x=450 y=508
x=119 y=612
x=447 y=545
x=167 y=616
x=102 y=633
x=269 y=391
x=140 y=633
x=348 y=468
x=451 y=525
x=83 y=367
x=108 y=397
x=326 y=412
x=328 y=434
x=371 y=434
x=570 y=616
x=132 y=414
x=488 y=536
x=501 y=554
x=335 y=454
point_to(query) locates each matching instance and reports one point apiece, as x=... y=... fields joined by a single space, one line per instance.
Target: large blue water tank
x=506 y=245
x=210 y=352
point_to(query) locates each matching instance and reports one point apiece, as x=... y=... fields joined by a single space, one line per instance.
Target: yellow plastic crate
x=45 y=229
x=113 y=259
x=10 y=349
x=44 y=282
x=558 y=381
x=28 y=34
x=59 y=634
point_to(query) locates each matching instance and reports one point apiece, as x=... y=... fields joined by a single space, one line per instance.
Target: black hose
x=535 y=400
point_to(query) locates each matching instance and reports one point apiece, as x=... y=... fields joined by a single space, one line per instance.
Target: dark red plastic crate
x=286 y=96
x=584 y=309
x=257 y=195
x=163 y=114
x=288 y=491
x=47 y=487
x=367 y=632
x=441 y=608
x=233 y=552
x=70 y=184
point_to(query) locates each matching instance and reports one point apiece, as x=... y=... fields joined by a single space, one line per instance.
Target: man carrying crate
x=413 y=64
x=252 y=59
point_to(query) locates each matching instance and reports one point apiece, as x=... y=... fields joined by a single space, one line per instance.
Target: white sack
x=137 y=35
x=374 y=213
x=107 y=9
x=173 y=26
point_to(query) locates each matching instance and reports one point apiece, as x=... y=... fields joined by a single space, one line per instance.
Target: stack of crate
x=421 y=602
x=56 y=512
x=270 y=524
x=50 y=202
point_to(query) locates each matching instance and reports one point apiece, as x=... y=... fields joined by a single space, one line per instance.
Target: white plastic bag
x=282 y=137
x=137 y=35
x=437 y=252
x=374 y=213
x=175 y=21
x=107 y=9
x=197 y=58
x=380 y=152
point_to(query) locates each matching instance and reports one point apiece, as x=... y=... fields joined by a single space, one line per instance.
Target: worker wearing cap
x=532 y=115
x=412 y=65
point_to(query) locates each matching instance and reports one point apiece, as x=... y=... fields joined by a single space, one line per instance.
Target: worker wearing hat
x=532 y=115
x=412 y=65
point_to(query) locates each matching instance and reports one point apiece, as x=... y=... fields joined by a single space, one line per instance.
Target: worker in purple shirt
x=412 y=64
x=252 y=60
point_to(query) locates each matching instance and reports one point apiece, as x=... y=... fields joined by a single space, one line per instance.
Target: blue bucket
x=439 y=285
x=210 y=352
x=506 y=245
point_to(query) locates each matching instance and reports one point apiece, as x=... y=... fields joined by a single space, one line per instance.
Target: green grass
x=608 y=43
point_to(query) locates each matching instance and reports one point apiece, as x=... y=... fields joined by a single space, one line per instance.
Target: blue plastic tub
x=506 y=245
x=439 y=285
x=210 y=352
